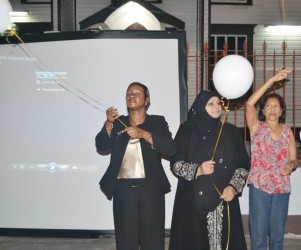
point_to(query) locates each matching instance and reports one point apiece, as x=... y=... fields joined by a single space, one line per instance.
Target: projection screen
x=54 y=90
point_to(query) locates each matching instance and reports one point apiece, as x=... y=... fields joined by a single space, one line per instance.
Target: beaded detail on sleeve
x=239 y=179
x=185 y=170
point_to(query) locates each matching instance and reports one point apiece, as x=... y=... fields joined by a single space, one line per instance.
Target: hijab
x=203 y=128
x=199 y=116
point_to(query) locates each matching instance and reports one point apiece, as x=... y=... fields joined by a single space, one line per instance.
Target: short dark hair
x=145 y=89
x=265 y=98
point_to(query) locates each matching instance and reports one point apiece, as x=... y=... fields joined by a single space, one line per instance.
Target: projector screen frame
x=62 y=36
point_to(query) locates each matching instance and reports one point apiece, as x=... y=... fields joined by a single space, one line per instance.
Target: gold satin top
x=132 y=165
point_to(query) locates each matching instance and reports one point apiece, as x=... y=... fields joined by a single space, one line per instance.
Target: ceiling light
x=19 y=13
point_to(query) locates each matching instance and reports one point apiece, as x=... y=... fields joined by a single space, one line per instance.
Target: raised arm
x=251 y=116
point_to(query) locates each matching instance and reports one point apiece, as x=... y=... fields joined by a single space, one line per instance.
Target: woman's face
x=214 y=107
x=135 y=98
x=272 y=109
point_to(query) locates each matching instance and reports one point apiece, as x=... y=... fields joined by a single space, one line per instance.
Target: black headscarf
x=202 y=125
x=198 y=114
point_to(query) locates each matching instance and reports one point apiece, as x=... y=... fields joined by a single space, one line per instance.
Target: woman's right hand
x=112 y=114
x=206 y=168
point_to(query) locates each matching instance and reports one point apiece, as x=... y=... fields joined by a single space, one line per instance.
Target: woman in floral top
x=273 y=153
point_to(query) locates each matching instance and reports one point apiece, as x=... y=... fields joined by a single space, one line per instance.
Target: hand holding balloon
x=233 y=76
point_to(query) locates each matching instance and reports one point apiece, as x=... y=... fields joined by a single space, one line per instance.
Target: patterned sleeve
x=185 y=170
x=239 y=179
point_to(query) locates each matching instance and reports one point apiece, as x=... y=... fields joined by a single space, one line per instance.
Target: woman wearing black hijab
x=206 y=188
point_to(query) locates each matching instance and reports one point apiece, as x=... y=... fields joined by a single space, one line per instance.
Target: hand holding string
x=228 y=193
x=112 y=114
x=282 y=74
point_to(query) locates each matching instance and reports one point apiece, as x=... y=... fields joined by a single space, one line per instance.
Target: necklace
x=137 y=123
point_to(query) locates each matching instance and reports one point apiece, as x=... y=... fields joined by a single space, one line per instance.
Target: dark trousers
x=139 y=215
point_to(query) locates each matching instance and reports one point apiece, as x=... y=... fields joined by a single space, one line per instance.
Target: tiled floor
x=292 y=242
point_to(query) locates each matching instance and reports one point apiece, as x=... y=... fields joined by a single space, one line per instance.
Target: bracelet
x=149 y=136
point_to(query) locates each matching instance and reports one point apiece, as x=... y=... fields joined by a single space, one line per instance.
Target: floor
x=291 y=242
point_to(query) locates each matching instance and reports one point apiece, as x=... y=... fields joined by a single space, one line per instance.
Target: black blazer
x=163 y=144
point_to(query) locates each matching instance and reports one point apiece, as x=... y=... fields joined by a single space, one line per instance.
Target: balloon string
x=13 y=33
x=122 y=123
x=226 y=108
x=223 y=122
x=228 y=213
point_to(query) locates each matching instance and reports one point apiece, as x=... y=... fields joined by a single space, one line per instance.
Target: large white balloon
x=5 y=8
x=233 y=76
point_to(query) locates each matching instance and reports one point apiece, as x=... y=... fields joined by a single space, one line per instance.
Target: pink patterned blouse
x=269 y=157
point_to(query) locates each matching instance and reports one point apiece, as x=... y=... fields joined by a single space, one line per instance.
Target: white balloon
x=233 y=76
x=5 y=8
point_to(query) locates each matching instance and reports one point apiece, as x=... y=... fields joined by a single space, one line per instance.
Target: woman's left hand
x=281 y=75
x=288 y=169
x=228 y=193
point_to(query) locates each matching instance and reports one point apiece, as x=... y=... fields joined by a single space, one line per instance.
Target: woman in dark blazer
x=135 y=177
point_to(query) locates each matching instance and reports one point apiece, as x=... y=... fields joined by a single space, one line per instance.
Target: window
x=229 y=39
x=234 y=45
